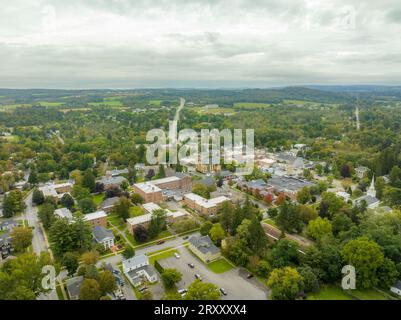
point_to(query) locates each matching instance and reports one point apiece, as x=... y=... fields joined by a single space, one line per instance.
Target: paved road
x=39 y=243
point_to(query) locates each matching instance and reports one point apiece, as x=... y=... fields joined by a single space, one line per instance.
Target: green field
x=220 y=266
x=155 y=102
x=111 y=101
x=251 y=105
x=329 y=293
x=202 y=110
x=50 y=104
x=270 y=221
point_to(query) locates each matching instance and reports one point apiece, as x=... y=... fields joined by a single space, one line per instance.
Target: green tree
x=319 y=228
x=67 y=201
x=33 y=177
x=71 y=262
x=310 y=279
x=46 y=215
x=38 y=197
x=88 y=180
x=21 y=278
x=21 y=238
x=122 y=208
x=87 y=205
x=303 y=195
x=199 y=290
x=367 y=257
x=205 y=228
x=158 y=223
x=289 y=218
x=285 y=283
x=90 y=290
x=107 y=282
x=90 y=257
x=201 y=190
x=217 y=233
x=128 y=252
x=170 y=277
x=284 y=253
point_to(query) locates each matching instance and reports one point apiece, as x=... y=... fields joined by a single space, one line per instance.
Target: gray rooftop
x=204 y=244
x=110 y=202
x=100 y=233
x=74 y=286
x=368 y=199
x=282 y=183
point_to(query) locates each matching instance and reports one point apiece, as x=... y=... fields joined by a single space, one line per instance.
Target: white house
x=103 y=236
x=138 y=269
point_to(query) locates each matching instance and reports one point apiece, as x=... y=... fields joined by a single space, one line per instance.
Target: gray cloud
x=138 y=43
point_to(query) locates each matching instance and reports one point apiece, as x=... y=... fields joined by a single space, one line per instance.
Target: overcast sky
x=184 y=43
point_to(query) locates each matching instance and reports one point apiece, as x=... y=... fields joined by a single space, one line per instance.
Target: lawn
x=135 y=211
x=162 y=255
x=329 y=293
x=251 y=105
x=220 y=266
x=155 y=102
x=98 y=199
x=116 y=221
x=368 y=294
x=270 y=221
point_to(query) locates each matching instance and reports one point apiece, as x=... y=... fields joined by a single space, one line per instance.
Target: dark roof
x=100 y=233
x=110 y=202
x=74 y=286
x=203 y=244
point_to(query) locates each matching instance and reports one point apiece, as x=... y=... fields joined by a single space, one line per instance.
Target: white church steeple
x=372 y=191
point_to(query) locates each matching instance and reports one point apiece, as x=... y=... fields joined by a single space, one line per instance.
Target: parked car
x=249 y=276
x=191 y=265
x=185 y=238
x=177 y=255
x=198 y=276
x=160 y=242
x=143 y=289
x=223 y=291
x=182 y=291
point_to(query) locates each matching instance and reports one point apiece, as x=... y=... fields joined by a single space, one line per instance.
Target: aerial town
x=196 y=159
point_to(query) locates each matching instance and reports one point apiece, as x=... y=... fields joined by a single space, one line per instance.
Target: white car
x=177 y=255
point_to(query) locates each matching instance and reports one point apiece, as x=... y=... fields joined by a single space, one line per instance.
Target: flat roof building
x=202 y=205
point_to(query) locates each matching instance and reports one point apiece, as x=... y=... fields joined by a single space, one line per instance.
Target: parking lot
x=233 y=281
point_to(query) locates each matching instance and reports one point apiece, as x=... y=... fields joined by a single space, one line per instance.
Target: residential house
x=103 y=236
x=204 y=248
x=138 y=269
x=109 y=203
x=56 y=190
x=361 y=171
x=63 y=213
x=73 y=286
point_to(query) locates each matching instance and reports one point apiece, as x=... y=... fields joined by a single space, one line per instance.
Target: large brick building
x=98 y=218
x=204 y=206
x=153 y=191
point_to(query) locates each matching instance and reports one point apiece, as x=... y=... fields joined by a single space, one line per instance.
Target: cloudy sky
x=200 y=43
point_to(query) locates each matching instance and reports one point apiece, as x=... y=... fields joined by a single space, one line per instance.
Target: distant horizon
x=309 y=86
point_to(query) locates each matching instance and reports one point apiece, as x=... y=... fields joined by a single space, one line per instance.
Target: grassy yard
x=270 y=221
x=220 y=266
x=50 y=104
x=98 y=198
x=368 y=294
x=162 y=255
x=329 y=293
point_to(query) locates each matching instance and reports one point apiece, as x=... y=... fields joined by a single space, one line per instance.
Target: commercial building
x=204 y=206
x=56 y=191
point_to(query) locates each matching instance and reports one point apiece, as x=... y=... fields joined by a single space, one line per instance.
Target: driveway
x=233 y=281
